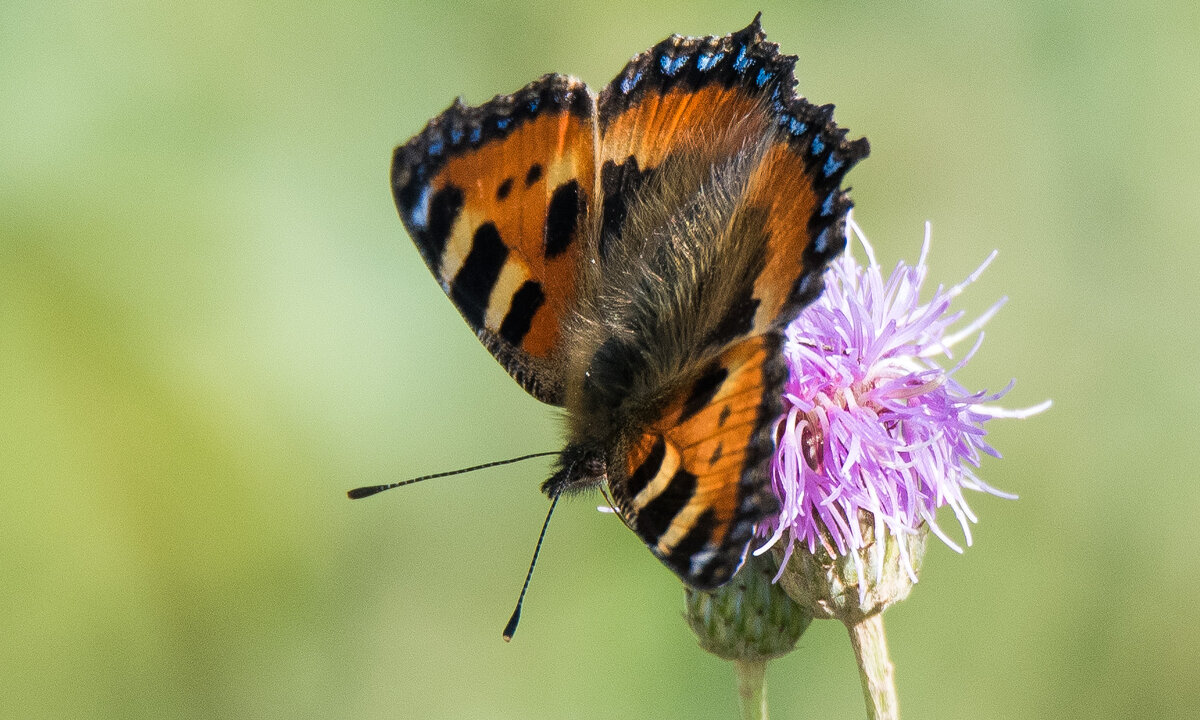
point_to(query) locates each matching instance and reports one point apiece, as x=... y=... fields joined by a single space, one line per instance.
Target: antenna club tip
x=511 y=628
x=362 y=492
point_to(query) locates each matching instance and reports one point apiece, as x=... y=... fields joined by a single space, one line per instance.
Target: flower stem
x=752 y=688
x=875 y=668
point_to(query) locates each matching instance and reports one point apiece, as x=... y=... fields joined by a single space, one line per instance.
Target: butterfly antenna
x=511 y=628
x=369 y=490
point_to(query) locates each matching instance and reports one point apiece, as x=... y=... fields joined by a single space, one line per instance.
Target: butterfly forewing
x=494 y=198
x=716 y=97
x=804 y=208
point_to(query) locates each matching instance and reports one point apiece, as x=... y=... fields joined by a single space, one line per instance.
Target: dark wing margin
x=495 y=198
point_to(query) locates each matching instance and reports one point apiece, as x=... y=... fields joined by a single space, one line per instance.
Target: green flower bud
x=749 y=618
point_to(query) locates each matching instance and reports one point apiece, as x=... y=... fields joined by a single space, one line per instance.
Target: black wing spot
x=718 y=451
x=704 y=390
x=696 y=539
x=525 y=303
x=738 y=320
x=444 y=208
x=480 y=270
x=534 y=174
x=618 y=183
x=656 y=516
x=562 y=217
x=640 y=478
x=504 y=189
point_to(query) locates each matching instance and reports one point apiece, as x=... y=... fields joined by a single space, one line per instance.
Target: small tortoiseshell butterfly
x=633 y=257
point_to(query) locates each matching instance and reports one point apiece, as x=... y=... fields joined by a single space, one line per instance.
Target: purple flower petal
x=872 y=421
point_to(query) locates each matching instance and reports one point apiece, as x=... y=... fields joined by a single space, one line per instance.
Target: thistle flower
x=876 y=435
x=873 y=421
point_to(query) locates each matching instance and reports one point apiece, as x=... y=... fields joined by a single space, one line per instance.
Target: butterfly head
x=579 y=467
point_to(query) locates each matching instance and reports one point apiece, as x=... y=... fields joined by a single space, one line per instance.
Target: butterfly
x=632 y=257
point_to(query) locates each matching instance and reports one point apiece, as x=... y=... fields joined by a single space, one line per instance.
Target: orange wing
x=495 y=199
x=696 y=482
x=713 y=98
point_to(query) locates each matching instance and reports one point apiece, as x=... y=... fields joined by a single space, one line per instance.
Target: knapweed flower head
x=874 y=420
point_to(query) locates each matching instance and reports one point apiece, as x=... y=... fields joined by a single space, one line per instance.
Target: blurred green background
x=212 y=324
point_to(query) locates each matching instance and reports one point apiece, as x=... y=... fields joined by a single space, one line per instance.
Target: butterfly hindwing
x=495 y=198
x=695 y=483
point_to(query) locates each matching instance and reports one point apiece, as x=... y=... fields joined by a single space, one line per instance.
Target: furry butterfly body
x=632 y=257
